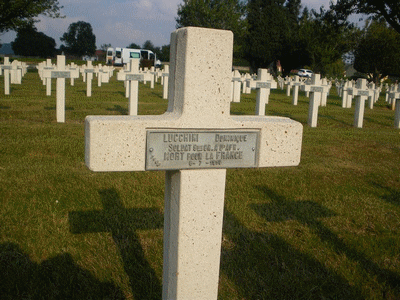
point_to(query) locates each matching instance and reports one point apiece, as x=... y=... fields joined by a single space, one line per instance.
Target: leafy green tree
x=388 y=9
x=268 y=32
x=218 y=14
x=378 y=51
x=148 y=45
x=29 y=42
x=134 y=46
x=165 y=52
x=79 y=39
x=15 y=14
x=325 y=37
x=104 y=47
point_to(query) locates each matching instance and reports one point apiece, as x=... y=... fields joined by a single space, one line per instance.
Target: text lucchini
x=201 y=149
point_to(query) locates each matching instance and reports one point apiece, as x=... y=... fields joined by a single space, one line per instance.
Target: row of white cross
x=263 y=82
x=319 y=88
x=13 y=73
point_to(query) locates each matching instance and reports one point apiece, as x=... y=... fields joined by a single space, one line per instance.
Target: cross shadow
x=391 y=195
x=308 y=213
x=264 y=266
x=120 y=109
x=122 y=93
x=123 y=223
x=54 y=108
x=372 y=120
x=56 y=278
x=334 y=119
x=5 y=107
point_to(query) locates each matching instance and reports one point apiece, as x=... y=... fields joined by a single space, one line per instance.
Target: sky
x=122 y=22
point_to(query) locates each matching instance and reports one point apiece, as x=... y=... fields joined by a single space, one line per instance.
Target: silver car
x=305 y=73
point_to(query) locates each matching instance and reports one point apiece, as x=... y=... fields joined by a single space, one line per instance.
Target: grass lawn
x=327 y=229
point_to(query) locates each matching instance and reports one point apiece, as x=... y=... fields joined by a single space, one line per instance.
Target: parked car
x=305 y=73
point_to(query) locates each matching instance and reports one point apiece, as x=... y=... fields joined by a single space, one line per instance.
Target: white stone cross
x=152 y=76
x=264 y=83
x=394 y=94
x=132 y=78
x=60 y=72
x=288 y=85
x=6 y=67
x=236 y=84
x=194 y=141
x=316 y=89
x=88 y=71
x=326 y=88
x=16 y=72
x=47 y=80
x=295 y=83
x=344 y=89
x=396 y=100
x=165 y=76
x=73 y=67
x=245 y=86
x=361 y=93
x=100 y=74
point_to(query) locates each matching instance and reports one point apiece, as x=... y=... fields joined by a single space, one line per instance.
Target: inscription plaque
x=60 y=74
x=263 y=85
x=317 y=89
x=363 y=93
x=201 y=149
x=89 y=70
x=137 y=77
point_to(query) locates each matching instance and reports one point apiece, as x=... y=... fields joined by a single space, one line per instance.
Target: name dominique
x=186 y=146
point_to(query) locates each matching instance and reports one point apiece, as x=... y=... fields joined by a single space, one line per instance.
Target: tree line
x=268 y=31
x=265 y=32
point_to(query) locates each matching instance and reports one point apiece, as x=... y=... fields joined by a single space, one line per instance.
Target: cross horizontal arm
x=119 y=143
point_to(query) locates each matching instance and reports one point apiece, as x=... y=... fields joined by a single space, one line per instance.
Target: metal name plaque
x=316 y=89
x=363 y=93
x=263 y=85
x=136 y=77
x=89 y=70
x=60 y=74
x=201 y=149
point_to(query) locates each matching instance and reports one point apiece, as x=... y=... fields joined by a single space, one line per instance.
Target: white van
x=110 y=56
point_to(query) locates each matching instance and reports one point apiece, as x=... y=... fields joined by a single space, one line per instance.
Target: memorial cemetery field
x=327 y=229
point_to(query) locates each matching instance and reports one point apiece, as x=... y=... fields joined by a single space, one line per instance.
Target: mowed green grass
x=327 y=229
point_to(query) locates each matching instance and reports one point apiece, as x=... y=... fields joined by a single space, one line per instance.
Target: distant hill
x=6 y=49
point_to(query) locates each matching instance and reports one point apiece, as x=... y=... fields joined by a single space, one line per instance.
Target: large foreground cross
x=194 y=141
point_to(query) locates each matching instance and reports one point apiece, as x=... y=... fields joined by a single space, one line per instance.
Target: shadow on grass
x=122 y=93
x=334 y=119
x=5 y=107
x=371 y=120
x=123 y=223
x=54 y=108
x=391 y=195
x=120 y=109
x=56 y=278
x=308 y=213
x=264 y=266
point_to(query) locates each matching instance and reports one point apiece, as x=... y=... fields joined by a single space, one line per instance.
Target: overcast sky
x=122 y=22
